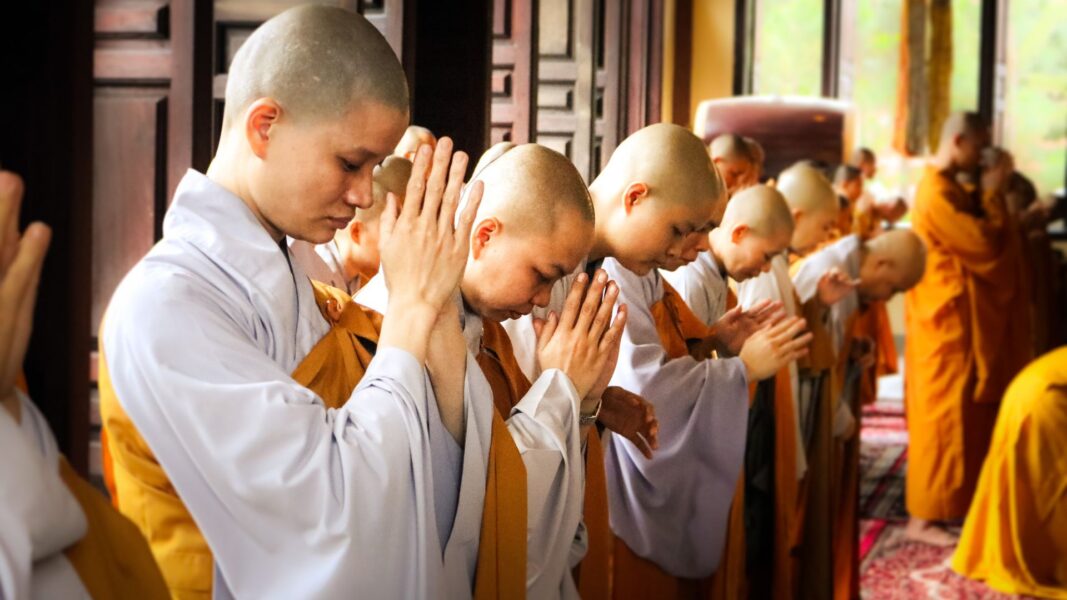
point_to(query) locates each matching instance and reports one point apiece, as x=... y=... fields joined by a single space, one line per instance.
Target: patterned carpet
x=891 y=567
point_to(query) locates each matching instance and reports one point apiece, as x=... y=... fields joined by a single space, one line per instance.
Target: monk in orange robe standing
x=1015 y=536
x=966 y=335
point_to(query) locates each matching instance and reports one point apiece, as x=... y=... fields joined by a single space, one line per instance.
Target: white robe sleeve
x=544 y=425
x=294 y=500
x=39 y=517
x=673 y=509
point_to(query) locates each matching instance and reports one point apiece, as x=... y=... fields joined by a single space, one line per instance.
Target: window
x=1035 y=123
x=788 y=53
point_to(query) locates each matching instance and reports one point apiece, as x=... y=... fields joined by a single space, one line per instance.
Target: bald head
x=755 y=150
x=670 y=160
x=894 y=261
x=390 y=177
x=762 y=209
x=806 y=189
x=964 y=136
x=316 y=62
x=532 y=188
x=494 y=152
x=414 y=137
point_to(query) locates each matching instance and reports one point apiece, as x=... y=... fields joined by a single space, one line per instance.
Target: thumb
x=388 y=218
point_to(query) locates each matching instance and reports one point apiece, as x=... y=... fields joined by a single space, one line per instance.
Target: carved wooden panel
x=514 y=74
x=151 y=121
x=567 y=79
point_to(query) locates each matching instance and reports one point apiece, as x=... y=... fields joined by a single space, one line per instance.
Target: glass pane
x=788 y=55
x=1035 y=119
x=966 y=52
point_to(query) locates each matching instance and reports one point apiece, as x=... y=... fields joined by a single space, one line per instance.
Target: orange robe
x=968 y=335
x=1015 y=535
x=332 y=369
x=509 y=385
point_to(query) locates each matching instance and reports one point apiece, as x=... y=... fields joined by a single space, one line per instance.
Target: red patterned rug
x=891 y=567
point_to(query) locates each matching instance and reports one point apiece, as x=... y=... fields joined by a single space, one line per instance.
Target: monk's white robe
x=294 y=500
x=322 y=262
x=39 y=517
x=775 y=285
x=544 y=426
x=844 y=254
x=673 y=509
x=702 y=284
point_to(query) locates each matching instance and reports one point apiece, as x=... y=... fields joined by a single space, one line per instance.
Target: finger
x=731 y=314
x=447 y=219
x=420 y=170
x=548 y=329
x=792 y=328
x=538 y=324
x=614 y=334
x=35 y=243
x=10 y=203
x=602 y=318
x=797 y=343
x=643 y=445
x=387 y=222
x=573 y=304
x=435 y=184
x=591 y=302
x=760 y=306
x=466 y=219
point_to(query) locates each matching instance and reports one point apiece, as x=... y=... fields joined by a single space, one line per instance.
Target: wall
x=712 y=59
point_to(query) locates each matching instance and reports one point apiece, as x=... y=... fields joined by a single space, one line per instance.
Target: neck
x=601 y=246
x=226 y=170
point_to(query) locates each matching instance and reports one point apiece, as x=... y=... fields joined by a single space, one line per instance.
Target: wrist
x=407 y=326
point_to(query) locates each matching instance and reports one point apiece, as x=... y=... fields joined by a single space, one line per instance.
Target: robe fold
x=967 y=331
x=1015 y=535
x=59 y=538
x=543 y=424
x=201 y=337
x=671 y=513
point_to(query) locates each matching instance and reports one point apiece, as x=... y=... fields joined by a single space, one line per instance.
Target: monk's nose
x=541 y=299
x=360 y=194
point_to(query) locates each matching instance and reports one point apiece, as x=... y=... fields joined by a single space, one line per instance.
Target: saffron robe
x=962 y=348
x=1015 y=535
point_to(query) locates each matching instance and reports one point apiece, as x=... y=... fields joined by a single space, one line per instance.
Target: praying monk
x=59 y=538
x=645 y=214
x=351 y=258
x=414 y=137
x=759 y=158
x=756 y=227
x=878 y=268
x=489 y=156
x=732 y=160
x=534 y=225
x=202 y=416
x=1015 y=535
x=962 y=348
x=848 y=183
x=799 y=569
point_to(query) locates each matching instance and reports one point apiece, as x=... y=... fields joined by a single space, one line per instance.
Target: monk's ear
x=797 y=213
x=635 y=192
x=482 y=233
x=260 y=119
x=738 y=233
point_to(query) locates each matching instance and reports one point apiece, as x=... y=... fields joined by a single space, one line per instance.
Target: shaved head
x=494 y=152
x=862 y=155
x=962 y=123
x=670 y=160
x=894 y=261
x=414 y=137
x=806 y=189
x=391 y=177
x=755 y=150
x=317 y=62
x=531 y=187
x=762 y=208
x=964 y=136
x=730 y=147
x=846 y=173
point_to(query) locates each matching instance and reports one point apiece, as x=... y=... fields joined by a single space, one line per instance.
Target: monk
x=534 y=225
x=203 y=416
x=1015 y=535
x=59 y=538
x=414 y=137
x=759 y=158
x=494 y=152
x=962 y=349
x=733 y=160
x=802 y=545
x=879 y=268
x=352 y=257
x=756 y=227
x=848 y=183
